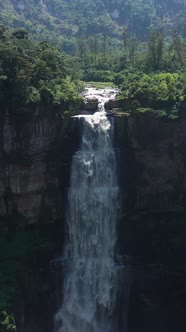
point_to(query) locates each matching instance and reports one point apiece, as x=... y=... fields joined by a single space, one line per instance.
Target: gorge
x=151 y=228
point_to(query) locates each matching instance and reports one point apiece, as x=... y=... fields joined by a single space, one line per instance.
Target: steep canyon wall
x=152 y=228
x=36 y=155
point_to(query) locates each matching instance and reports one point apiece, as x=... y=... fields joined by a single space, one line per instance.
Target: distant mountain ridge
x=72 y=18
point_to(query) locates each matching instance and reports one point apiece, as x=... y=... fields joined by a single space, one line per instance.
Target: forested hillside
x=138 y=45
x=57 y=20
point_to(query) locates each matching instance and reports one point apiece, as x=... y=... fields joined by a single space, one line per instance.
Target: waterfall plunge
x=90 y=287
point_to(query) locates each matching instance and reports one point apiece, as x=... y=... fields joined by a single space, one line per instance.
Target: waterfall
x=90 y=286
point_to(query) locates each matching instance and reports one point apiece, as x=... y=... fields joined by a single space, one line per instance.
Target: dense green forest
x=33 y=73
x=58 y=20
x=110 y=41
x=151 y=74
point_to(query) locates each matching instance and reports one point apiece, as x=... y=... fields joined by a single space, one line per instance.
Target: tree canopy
x=33 y=73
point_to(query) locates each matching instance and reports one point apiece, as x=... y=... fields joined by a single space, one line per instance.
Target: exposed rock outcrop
x=112 y=104
x=90 y=105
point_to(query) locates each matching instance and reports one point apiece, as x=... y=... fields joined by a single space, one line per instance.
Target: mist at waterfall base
x=91 y=283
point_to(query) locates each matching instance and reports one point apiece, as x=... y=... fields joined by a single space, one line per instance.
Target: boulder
x=89 y=104
x=112 y=103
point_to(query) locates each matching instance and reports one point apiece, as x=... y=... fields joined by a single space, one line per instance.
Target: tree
x=155 y=50
x=105 y=45
x=125 y=37
x=177 y=47
x=20 y=34
x=31 y=71
x=81 y=47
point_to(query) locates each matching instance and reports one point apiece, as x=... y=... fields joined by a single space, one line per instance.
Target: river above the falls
x=101 y=96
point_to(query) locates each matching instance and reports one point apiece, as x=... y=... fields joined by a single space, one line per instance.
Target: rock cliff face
x=23 y=166
x=158 y=151
x=152 y=228
x=33 y=152
x=35 y=159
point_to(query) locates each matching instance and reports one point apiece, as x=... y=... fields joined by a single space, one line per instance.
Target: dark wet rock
x=89 y=104
x=112 y=104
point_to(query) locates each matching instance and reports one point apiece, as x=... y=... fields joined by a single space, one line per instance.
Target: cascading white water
x=90 y=287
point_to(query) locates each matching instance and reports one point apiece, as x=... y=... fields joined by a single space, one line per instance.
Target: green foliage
x=99 y=75
x=162 y=87
x=7 y=321
x=155 y=50
x=38 y=74
x=61 y=19
x=101 y=85
x=33 y=74
x=161 y=93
